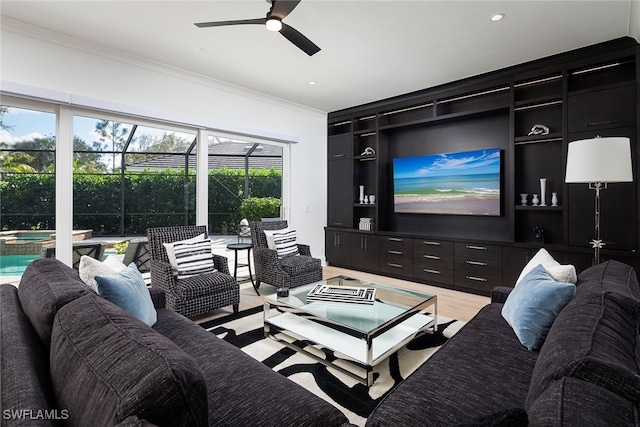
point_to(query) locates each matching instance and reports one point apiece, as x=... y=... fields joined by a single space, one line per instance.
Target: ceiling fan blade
x=296 y=37
x=282 y=8
x=223 y=23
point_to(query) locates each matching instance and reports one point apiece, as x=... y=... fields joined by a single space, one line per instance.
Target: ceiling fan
x=273 y=21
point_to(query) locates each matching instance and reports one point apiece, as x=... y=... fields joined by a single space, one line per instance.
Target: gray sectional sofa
x=586 y=373
x=71 y=357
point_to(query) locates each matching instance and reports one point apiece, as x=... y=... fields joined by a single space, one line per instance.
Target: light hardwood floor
x=453 y=304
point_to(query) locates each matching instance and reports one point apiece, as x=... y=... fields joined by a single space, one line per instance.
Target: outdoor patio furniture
x=138 y=253
x=281 y=272
x=92 y=249
x=193 y=295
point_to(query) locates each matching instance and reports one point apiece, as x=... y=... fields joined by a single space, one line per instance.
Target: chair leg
x=236 y=307
x=256 y=285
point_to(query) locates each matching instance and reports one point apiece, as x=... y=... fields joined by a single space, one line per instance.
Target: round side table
x=235 y=247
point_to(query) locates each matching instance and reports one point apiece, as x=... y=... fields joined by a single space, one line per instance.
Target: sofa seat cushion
x=572 y=402
x=609 y=276
x=106 y=366
x=46 y=286
x=197 y=286
x=481 y=370
x=296 y=265
x=595 y=338
x=259 y=395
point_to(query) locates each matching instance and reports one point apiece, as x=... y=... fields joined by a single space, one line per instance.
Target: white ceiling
x=371 y=49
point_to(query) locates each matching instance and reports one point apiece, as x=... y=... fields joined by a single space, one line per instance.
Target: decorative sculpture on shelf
x=539 y=130
x=368 y=152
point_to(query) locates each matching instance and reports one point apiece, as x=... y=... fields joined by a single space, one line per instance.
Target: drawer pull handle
x=395 y=252
x=335 y=156
x=338 y=223
x=606 y=122
x=477 y=248
x=394 y=239
x=390 y=264
x=427 y=270
x=426 y=242
x=431 y=257
x=476 y=263
x=477 y=279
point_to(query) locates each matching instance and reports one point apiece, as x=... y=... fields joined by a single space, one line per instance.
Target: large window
x=27 y=186
x=129 y=174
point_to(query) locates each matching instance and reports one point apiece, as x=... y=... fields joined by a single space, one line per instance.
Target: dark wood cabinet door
x=341 y=193
x=365 y=252
x=601 y=109
x=338 y=248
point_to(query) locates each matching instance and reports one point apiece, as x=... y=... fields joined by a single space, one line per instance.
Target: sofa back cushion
x=46 y=286
x=106 y=366
x=595 y=338
x=609 y=276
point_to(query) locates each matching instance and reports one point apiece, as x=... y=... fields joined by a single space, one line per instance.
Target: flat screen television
x=462 y=183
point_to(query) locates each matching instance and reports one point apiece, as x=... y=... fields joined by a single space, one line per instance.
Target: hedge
x=165 y=198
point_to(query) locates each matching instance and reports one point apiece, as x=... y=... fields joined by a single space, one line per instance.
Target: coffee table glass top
x=390 y=303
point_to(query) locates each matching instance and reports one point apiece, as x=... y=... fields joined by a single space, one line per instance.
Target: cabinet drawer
x=480 y=283
x=478 y=251
x=601 y=109
x=433 y=274
x=400 y=266
x=395 y=245
x=432 y=247
x=480 y=268
x=433 y=261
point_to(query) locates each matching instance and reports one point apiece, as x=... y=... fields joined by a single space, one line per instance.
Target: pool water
x=14 y=265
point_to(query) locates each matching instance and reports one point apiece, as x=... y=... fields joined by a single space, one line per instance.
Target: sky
x=445 y=164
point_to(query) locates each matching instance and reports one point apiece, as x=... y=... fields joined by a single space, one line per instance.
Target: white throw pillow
x=90 y=267
x=171 y=253
x=559 y=272
x=269 y=235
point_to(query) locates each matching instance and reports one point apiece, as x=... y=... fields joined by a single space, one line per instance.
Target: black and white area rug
x=355 y=400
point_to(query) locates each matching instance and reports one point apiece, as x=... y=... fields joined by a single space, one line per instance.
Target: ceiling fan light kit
x=273 y=21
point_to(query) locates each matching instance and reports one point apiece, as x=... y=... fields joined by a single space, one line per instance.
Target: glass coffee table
x=361 y=334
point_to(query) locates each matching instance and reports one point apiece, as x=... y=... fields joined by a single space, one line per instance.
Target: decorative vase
x=366 y=200
x=535 y=200
x=543 y=191
x=523 y=199
x=554 y=199
x=372 y=198
x=361 y=194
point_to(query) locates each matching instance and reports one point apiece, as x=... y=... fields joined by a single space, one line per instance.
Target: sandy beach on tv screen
x=474 y=204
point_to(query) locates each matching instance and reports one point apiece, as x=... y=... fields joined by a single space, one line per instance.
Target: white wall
x=50 y=66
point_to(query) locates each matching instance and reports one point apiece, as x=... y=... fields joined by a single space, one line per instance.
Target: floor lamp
x=599 y=161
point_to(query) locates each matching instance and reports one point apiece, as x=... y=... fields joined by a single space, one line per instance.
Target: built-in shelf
x=538 y=208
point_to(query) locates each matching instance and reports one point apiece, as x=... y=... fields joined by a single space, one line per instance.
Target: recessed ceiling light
x=496 y=17
x=312 y=83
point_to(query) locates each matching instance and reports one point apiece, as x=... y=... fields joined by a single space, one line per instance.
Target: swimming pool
x=14 y=265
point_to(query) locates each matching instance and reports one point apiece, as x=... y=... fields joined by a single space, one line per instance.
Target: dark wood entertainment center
x=578 y=94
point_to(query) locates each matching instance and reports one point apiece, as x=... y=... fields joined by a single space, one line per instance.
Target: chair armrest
x=304 y=249
x=162 y=276
x=265 y=255
x=221 y=263
x=158 y=297
x=500 y=294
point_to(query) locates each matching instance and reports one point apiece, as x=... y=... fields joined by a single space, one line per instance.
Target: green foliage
x=151 y=199
x=121 y=247
x=256 y=208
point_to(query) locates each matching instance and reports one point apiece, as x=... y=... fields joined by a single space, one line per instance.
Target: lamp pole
x=597 y=242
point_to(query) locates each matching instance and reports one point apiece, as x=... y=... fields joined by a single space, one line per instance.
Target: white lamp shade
x=599 y=160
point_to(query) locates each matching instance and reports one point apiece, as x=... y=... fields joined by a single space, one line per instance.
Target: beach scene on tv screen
x=462 y=183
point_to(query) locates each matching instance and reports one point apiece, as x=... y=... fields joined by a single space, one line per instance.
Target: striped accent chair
x=194 y=295
x=282 y=271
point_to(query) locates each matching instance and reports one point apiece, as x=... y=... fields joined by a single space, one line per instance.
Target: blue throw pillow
x=533 y=305
x=128 y=291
